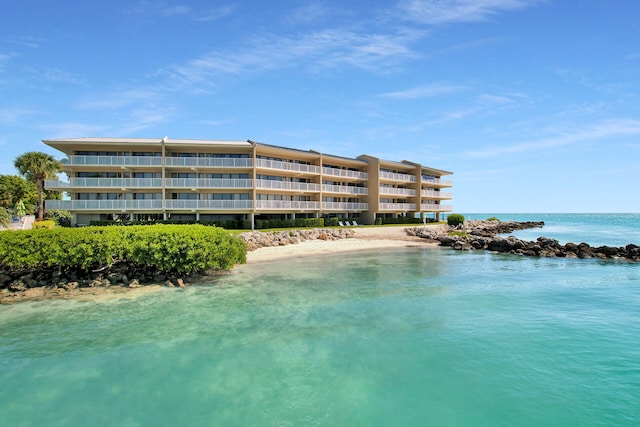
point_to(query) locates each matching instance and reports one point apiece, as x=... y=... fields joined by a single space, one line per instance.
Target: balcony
x=112 y=161
x=340 y=206
x=392 y=176
x=208 y=183
x=397 y=191
x=436 y=182
x=286 y=205
x=435 y=208
x=287 y=166
x=265 y=184
x=209 y=204
x=104 y=205
x=345 y=173
x=436 y=194
x=344 y=189
x=398 y=207
x=204 y=162
x=104 y=183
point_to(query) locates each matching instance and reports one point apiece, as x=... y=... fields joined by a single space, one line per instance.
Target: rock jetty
x=258 y=239
x=486 y=235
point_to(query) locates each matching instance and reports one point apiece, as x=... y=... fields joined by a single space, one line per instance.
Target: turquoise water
x=409 y=337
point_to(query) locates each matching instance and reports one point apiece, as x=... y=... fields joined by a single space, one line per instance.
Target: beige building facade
x=181 y=179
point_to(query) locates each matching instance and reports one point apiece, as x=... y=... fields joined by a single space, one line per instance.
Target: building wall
x=236 y=179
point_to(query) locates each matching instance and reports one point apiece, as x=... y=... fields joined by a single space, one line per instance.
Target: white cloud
x=605 y=129
x=423 y=91
x=163 y=9
x=452 y=11
x=118 y=99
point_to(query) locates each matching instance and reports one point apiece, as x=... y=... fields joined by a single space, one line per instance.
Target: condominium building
x=180 y=179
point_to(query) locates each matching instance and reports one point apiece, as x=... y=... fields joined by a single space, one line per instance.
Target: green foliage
x=5 y=217
x=169 y=249
x=228 y=224
x=455 y=219
x=459 y=233
x=402 y=220
x=13 y=189
x=493 y=218
x=290 y=223
x=59 y=216
x=378 y=221
x=47 y=224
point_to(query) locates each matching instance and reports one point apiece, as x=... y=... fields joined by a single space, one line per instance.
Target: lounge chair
x=355 y=224
x=340 y=224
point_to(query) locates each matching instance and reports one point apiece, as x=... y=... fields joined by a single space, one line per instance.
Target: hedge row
x=290 y=223
x=170 y=249
x=228 y=224
x=405 y=220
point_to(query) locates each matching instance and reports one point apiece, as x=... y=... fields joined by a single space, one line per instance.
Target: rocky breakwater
x=485 y=235
x=259 y=239
x=16 y=286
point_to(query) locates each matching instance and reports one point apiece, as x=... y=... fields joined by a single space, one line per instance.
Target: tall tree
x=37 y=167
x=5 y=217
x=14 y=188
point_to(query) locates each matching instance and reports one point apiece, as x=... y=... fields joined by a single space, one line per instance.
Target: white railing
x=209 y=204
x=344 y=173
x=105 y=183
x=436 y=194
x=266 y=184
x=281 y=204
x=392 y=176
x=344 y=206
x=98 y=205
x=435 y=208
x=205 y=183
x=397 y=191
x=209 y=162
x=436 y=182
x=344 y=189
x=398 y=207
x=287 y=166
x=112 y=161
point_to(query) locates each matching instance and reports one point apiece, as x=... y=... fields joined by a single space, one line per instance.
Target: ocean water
x=409 y=337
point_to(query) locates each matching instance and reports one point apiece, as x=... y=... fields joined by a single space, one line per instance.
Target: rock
x=181 y=283
x=135 y=283
x=169 y=283
x=71 y=285
x=34 y=292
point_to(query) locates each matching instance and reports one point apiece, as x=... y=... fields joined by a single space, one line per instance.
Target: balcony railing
x=345 y=173
x=287 y=166
x=104 y=205
x=397 y=191
x=206 y=183
x=436 y=182
x=344 y=189
x=436 y=194
x=435 y=208
x=104 y=183
x=344 y=206
x=209 y=204
x=282 y=204
x=266 y=184
x=398 y=207
x=112 y=161
x=212 y=162
x=392 y=176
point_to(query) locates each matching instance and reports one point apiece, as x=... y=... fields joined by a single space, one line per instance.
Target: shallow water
x=414 y=336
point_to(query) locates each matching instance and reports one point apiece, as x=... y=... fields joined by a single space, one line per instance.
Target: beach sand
x=365 y=238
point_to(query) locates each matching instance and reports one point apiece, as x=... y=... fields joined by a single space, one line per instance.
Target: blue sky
x=533 y=104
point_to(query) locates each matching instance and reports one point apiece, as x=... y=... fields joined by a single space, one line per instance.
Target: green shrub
x=459 y=233
x=48 y=224
x=455 y=219
x=493 y=218
x=378 y=221
x=290 y=223
x=169 y=249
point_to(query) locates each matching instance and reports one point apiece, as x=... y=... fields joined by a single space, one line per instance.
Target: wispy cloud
x=319 y=50
x=5 y=58
x=453 y=11
x=30 y=42
x=423 y=91
x=118 y=99
x=162 y=9
x=308 y=14
x=605 y=129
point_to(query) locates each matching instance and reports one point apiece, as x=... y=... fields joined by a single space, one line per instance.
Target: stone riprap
x=259 y=239
x=486 y=235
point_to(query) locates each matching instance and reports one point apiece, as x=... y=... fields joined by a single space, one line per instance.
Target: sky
x=534 y=105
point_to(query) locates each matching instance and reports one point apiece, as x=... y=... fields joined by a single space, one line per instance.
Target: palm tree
x=37 y=167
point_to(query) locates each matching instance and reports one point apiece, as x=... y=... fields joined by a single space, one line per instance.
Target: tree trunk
x=39 y=185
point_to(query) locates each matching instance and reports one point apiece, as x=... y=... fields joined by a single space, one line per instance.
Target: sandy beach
x=365 y=238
